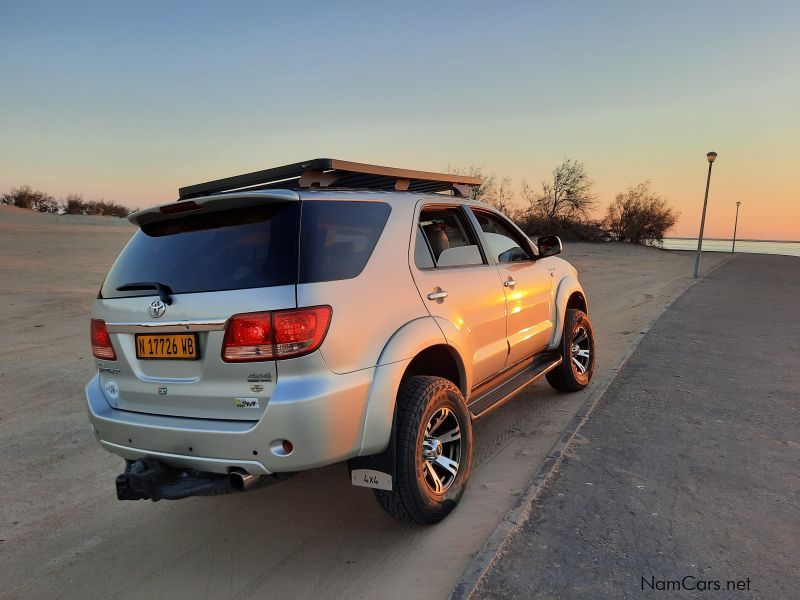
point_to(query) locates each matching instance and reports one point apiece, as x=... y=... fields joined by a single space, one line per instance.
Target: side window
x=422 y=253
x=449 y=238
x=337 y=238
x=505 y=243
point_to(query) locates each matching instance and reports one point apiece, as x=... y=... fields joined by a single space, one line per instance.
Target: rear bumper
x=323 y=416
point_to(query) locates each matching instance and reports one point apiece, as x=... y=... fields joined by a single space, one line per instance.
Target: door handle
x=440 y=295
x=510 y=282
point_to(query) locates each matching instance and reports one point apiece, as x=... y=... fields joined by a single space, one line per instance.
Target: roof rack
x=331 y=172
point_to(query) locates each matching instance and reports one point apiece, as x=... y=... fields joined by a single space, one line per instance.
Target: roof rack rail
x=331 y=172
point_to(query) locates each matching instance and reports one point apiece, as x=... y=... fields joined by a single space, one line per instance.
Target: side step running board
x=540 y=366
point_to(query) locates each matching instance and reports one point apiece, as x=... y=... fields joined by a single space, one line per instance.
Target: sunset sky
x=129 y=101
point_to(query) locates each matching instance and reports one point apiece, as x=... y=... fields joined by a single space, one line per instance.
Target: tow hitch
x=152 y=480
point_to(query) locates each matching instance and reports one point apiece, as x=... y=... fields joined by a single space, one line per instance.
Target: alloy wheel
x=441 y=450
x=581 y=350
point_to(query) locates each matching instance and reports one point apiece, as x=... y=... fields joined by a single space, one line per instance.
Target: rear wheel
x=577 y=352
x=434 y=451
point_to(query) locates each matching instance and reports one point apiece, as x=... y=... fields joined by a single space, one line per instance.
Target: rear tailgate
x=209 y=264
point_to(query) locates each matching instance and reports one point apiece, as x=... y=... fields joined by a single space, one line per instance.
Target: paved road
x=690 y=466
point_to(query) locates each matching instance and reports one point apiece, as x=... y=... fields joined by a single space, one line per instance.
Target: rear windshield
x=244 y=248
x=250 y=247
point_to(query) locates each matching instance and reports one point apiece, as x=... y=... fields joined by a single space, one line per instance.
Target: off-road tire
x=420 y=398
x=567 y=376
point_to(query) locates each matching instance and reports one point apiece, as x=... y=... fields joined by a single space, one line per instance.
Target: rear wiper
x=164 y=291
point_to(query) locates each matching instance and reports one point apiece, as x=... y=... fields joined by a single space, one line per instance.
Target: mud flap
x=376 y=471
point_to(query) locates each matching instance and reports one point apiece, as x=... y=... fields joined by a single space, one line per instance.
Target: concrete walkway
x=686 y=480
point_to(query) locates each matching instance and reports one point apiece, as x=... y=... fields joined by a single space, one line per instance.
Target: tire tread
x=412 y=399
x=562 y=378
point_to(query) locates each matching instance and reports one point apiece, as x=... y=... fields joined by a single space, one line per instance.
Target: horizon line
x=715 y=239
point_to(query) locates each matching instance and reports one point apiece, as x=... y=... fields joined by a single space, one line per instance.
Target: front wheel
x=434 y=451
x=577 y=352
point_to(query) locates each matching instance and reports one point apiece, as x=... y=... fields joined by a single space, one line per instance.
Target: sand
x=63 y=534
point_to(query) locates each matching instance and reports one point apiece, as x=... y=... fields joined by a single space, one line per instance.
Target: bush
x=108 y=208
x=25 y=197
x=640 y=216
x=74 y=205
x=47 y=204
x=569 y=229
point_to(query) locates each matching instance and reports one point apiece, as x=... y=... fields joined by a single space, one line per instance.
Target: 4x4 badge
x=156 y=308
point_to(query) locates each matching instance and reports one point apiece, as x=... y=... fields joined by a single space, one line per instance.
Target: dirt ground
x=63 y=534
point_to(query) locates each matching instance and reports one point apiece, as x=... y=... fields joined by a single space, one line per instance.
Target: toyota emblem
x=156 y=308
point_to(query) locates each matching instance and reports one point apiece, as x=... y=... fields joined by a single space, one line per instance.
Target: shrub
x=569 y=229
x=640 y=216
x=74 y=205
x=25 y=197
x=108 y=208
x=47 y=204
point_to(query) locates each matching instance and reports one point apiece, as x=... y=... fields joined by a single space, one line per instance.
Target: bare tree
x=504 y=198
x=640 y=216
x=487 y=191
x=568 y=197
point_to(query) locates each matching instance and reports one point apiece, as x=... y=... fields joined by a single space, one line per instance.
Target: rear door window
x=450 y=237
x=212 y=251
x=337 y=237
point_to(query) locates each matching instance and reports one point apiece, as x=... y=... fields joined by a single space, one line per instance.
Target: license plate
x=170 y=346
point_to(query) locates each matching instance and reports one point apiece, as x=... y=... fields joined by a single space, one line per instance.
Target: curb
x=518 y=514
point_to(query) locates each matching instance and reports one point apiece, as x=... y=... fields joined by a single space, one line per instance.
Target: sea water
x=721 y=245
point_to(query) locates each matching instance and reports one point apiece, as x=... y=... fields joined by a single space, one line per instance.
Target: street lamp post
x=735 y=225
x=711 y=156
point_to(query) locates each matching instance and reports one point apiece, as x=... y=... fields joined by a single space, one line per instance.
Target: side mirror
x=511 y=255
x=549 y=245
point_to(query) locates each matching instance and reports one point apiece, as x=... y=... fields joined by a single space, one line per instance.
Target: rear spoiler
x=178 y=209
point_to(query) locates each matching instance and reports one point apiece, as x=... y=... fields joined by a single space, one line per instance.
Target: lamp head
x=711 y=156
x=738 y=203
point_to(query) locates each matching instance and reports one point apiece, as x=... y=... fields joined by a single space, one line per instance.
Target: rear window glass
x=338 y=237
x=237 y=249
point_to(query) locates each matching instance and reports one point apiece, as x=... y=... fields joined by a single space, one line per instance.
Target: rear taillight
x=101 y=341
x=275 y=335
x=248 y=337
x=300 y=331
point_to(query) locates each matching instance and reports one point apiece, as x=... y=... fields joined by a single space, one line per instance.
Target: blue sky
x=130 y=101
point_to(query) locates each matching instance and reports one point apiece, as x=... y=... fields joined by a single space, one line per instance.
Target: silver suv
x=321 y=312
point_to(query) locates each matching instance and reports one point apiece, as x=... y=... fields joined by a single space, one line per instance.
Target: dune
x=7 y=209
x=19 y=217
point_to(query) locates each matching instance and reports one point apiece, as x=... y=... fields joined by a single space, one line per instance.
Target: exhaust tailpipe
x=242 y=480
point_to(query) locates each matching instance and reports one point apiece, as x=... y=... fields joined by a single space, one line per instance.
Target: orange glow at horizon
x=636 y=92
